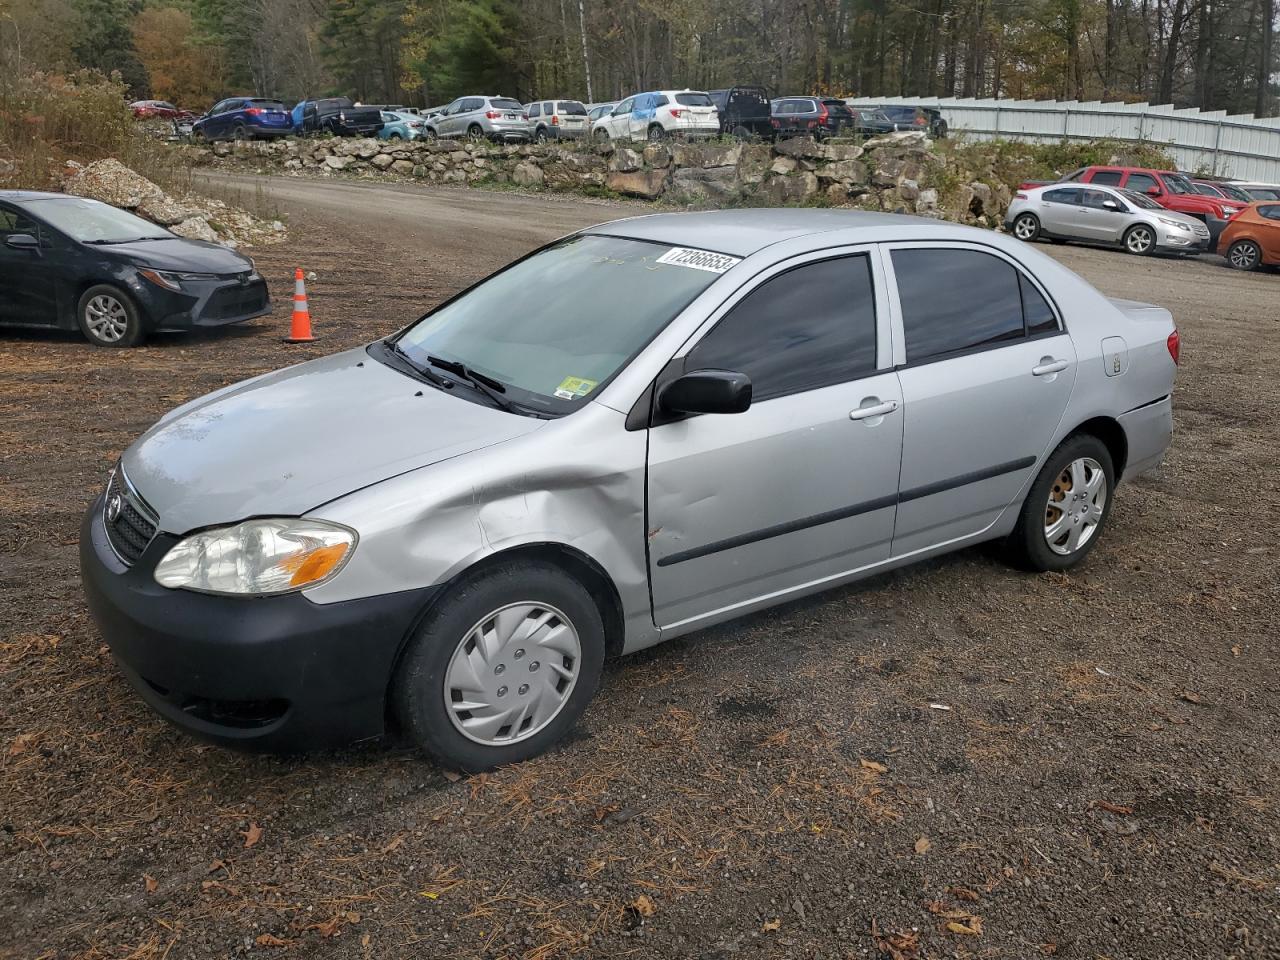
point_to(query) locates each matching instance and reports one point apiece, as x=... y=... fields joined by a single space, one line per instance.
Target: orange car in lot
x=1252 y=237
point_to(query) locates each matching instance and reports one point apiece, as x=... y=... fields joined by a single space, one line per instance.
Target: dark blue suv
x=243 y=118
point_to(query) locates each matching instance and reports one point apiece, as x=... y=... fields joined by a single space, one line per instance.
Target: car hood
x=287 y=442
x=192 y=256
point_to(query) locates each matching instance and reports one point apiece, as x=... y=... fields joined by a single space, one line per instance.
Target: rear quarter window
x=1110 y=178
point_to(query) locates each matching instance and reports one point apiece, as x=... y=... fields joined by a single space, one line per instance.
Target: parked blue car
x=243 y=118
x=401 y=126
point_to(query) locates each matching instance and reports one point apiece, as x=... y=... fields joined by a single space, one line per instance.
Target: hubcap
x=1139 y=241
x=1023 y=228
x=1243 y=255
x=107 y=318
x=512 y=673
x=1077 y=501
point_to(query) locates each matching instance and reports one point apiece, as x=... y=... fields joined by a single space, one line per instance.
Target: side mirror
x=22 y=241
x=707 y=391
x=1110 y=205
x=1153 y=191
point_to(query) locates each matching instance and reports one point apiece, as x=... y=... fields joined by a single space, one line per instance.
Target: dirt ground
x=1103 y=783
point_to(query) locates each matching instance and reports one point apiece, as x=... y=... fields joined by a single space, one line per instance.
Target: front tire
x=656 y=133
x=1140 y=240
x=475 y=132
x=602 y=136
x=108 y=317
x=1244 y=255
x=501 y=668
x=1026 y=226
x=1067 y=507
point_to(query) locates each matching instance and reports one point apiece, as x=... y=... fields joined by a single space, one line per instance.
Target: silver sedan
x=1106 y=215
x=701 y=415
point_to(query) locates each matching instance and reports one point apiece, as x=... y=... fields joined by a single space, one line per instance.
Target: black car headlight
x=174 y=281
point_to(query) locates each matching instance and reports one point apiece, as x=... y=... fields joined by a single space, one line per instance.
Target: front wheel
x=430 y=134
x=1026 y=227
x=656 y=133
x=1139 y=240
x=602 y=136
x=108 y=317
x=502 y=667
x=1067 y=506
x=1244 y=255
x=475 y=132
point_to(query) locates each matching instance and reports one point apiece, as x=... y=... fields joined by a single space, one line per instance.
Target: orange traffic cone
x=300 y=328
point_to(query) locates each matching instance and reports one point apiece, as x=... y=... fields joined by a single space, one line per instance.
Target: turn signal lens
x=1175 y=346
x=160 y=279
x=258 y=557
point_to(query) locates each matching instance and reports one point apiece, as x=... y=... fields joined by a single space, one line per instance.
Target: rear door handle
x=1053 y=366
x=874 y=410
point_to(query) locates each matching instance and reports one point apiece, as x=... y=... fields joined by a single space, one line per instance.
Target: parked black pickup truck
x=336 y=115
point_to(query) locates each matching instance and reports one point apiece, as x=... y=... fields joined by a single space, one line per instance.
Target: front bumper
x=1176 y=241
x=202 y=303
x=272 y=673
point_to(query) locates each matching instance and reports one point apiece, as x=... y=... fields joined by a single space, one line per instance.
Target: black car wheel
x=602 y=135
x=541 y=135
x=108 y=317
x=241 y=132
x=501 y=667
x=1244 y=255
x=742 y=133
x=656 y=132
x=430 y=134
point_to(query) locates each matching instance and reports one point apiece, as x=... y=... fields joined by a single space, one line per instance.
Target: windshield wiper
x=428 y=375
x=491 y=388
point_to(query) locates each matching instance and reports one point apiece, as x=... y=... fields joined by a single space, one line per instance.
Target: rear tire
x=656 y=133
x=1059 y=522
x=108 y=317
x=541 y=135
x=479 y=646
x=1140 y=240
x=1026 y=227
x=1244 y=255
x=240 y=133
x=475 y=132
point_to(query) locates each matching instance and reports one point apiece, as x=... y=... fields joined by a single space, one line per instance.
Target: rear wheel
x=240 y=132
x=108 y=317
x=1026 y=226
x=656 y=132
x=1140 y=240
x=541 y=135
x=395 y=135
x=502 y=667
x=475 y=132
x=1244 y=255
x=1067 y=506
x=742 y=133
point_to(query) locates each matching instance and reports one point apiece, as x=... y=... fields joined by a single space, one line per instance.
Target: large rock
x=165 y=210
x=792 y=189
x=657 y=155
x=625 y=160
x=637 y=183
x=800 y=147
x=854 y=171
x=527 y=174
x=402 y=167
x=841 y=151
x=195 y=228
x=383 y=160
x=903 y=139
x=112 y=182
x=337 y=163
x=783 y=165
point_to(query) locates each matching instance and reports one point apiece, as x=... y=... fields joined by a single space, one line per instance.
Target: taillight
x=675 y=112
x=777 y=124
x=492 y=115
x=822 y=113
x=555 y=120
x=254 y=111
x=1019 y=196
x=1174 y=343
x=920 y=121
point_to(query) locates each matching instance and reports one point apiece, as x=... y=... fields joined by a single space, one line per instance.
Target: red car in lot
x=1171 y=190
x=159 y=110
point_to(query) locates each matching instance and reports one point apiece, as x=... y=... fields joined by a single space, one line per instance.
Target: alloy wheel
x=1243 y=256
x=1024 y=228
x=1077 y=503
x=106 y=318
x=512 y=673
x=1139 y=240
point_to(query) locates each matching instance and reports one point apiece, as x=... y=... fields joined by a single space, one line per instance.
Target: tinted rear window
x=502 y=103
x=265 y=104
x=1109 y=178
x=694 y=100
x=838 y=107
x=573 y=108
x=334 y=103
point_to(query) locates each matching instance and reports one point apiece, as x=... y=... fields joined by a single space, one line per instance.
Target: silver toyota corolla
x=1097 y=214
x=699 y=416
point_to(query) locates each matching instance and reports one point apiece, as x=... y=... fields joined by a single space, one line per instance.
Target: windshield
x=600 y=300
x=1177 y=184
x=1140 y=200
x=1235 y=193
x=92 y=222
x=694 y=100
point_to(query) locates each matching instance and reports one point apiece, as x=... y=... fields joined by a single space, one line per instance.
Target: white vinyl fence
x=1243 y=146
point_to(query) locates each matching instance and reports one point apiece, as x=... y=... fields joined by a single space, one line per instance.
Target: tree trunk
x=1262 y=101
x=1165 y=93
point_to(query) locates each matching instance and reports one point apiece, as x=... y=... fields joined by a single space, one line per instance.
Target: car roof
x=21 y=196
x=741 y=233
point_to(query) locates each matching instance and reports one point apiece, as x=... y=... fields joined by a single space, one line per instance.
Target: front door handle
x=1048 y=366
x=872 y=407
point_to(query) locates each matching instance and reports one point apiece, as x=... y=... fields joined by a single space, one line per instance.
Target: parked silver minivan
x=495 y=118
x=700 y=415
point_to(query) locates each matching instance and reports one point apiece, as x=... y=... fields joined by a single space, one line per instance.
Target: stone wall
x=899 y=172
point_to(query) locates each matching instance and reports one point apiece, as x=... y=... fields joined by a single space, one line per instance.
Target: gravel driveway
x=953 y=760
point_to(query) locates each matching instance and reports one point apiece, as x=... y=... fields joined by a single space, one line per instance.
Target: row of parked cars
x=746 y=112
x=1145 y=211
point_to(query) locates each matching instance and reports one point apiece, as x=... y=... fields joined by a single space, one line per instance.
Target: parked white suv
x=660 y=114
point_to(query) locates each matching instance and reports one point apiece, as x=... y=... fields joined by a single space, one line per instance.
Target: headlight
x=1178 y=224
x=1230 y=211
x=173 y=281
x=258 y=557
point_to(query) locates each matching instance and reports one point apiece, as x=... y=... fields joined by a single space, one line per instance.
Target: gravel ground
x=1103 y=784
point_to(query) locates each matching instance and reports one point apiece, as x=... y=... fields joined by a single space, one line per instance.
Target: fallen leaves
x=770 y=926
x=252 y=835
x=21 y=743
x=150 y=883
x=644 y=906
x=923 y=845
x=964 y=893
x=958 y=920
x=270 y=940
x=971 y=929
x=903 y=945
x=1190 y=696
x=333 y=926
x=873 y=765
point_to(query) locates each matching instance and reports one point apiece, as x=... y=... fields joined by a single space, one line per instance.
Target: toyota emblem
x=114 y=506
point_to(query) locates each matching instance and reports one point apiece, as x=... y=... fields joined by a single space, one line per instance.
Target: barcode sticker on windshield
x=698 y=259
